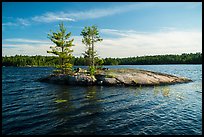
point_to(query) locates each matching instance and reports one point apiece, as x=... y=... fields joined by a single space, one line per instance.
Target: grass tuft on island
x=115 y=77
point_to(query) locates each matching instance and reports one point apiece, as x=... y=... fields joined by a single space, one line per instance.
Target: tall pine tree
x=90 y=37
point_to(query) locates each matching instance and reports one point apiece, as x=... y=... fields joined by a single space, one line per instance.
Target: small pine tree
x=62 y=49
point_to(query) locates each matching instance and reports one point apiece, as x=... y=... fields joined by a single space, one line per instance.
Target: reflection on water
x=93 y=110
x=39 y=108
x=156 y=90
x=82 y=109
x=63 y=93
x=165 y=91
x=91 y=93
x=137 y=90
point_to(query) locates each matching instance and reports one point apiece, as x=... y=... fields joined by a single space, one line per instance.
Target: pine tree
x=90 y=37
x=62 y=48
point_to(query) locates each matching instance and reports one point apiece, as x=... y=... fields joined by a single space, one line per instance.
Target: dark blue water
x=30 y=107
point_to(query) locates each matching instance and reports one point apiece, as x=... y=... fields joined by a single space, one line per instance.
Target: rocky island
x=93 y=75
x=127 y=77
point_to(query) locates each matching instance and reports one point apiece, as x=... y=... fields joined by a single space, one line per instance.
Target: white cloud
x=21 y=40
x=24 y=22
x=24 y=49
x=86 y=14
x=120 y=32
x=18 y=22
x=163 y=42
x=98 y=13
x=51 y=17
x=95 y=13
x=22 y=46
x=9 y=24
x=78 y=15
x=73 y=16
x=129 y=43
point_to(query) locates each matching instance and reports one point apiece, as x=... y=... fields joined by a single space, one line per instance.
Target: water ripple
x=30 y=107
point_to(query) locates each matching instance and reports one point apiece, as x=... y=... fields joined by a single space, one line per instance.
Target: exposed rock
x=80 y=70
x=84 y=79
x=81 y=79
x=130 y=77
x=110 y=81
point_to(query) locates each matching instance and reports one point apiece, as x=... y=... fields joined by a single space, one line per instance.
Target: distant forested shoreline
x=185 y=58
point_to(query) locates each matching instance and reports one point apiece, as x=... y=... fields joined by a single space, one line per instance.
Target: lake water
x=30 y=107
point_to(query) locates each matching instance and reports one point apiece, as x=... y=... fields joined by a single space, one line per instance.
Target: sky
x=128 y=29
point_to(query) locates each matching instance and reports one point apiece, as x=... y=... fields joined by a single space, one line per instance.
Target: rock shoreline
x=127 y=77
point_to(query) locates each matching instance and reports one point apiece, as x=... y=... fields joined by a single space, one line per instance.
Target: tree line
x=53 y=61
x=63 y=60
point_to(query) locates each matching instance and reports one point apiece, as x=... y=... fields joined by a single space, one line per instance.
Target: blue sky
x=128 y=29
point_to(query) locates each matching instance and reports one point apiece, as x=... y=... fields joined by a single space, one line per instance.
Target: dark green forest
x=21 y=61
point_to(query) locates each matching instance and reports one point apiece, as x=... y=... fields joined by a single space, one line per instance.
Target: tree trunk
x=92 y=53
x=62 y=61
x=62 y=57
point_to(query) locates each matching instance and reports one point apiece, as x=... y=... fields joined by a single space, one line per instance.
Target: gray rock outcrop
x=129 y=77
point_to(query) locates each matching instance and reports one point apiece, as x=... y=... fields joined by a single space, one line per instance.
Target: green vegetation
x=19 y=60
x=64 y=60
x=192 y=58
x=110 y=75
x=62 y=49
x=90 y=37
x=60 y=101
x=92 y=70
